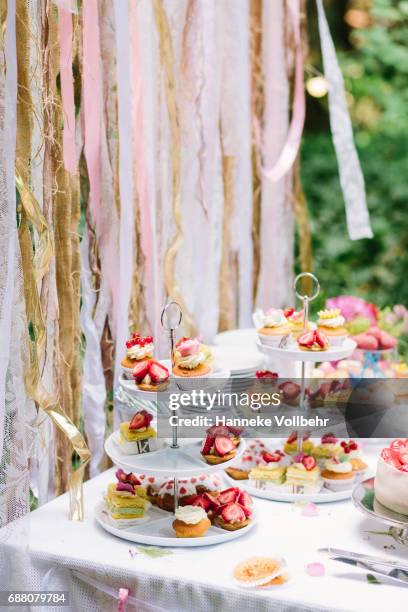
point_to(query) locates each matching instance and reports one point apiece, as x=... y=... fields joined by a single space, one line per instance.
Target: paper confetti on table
x=315 y=569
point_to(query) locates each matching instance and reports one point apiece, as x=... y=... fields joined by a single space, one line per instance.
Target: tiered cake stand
x=175 y=459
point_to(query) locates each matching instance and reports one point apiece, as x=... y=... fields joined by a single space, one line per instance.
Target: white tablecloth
x=200 y=579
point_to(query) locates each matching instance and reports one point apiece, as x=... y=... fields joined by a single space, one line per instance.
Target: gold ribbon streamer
x=228 y=270
x=167 y=61
x=32 y=213
x=302 y=221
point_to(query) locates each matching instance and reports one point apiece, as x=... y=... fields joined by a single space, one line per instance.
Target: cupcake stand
x=293 y=353
x=180 y=458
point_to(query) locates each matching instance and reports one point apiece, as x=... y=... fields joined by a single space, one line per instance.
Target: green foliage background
x=374 y=61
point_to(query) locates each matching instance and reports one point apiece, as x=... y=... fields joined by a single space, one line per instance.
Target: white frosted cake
x=391 y=480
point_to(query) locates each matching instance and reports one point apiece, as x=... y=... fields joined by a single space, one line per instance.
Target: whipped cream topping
x=190 y=514
x=274 y=317
x=343 y=467
x=335 y=322
x=140 y=352
x=185 y=487
x=191 y=361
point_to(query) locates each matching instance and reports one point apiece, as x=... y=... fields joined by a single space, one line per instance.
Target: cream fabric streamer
x=351 y=176
x=126 y=248
x=277 y=222
x=236 y=140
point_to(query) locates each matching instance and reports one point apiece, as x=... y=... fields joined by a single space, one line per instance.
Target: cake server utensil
x=396 y=575
x=392 y=563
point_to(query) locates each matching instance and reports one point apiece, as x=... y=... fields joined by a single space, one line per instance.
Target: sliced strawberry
x=132 y=479
x=404 y=467
x=218 y=430
x=329 y=438
x=228 y=495
x=306 y=435
x=223 y=445
x=320 y=338
x=309 y=463
x=208 y=443
x=292 y=437
x=324 y=389
x=140 y=370
x=140 y=420
x=233 y=513
x=299 y=458
x=289 y=312
x=211 y=500
x=307 y=339
x=245 y=499
x=125 y=486
x=201 y=501
x=158 y=372
x=120 y=475
x=270 y=457
x=387 y=341
x=247 y=511
x=217 y=510
x=235 y=431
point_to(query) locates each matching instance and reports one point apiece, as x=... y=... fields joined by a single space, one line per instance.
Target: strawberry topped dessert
x=151 y=375
x=249 y=459
x=274 y=326
x=290 y=392
x=391 y=480
x=351 y=449
x=135 y=436
x=138 y=348
x=305 y=473
x=313 y=340
x=192 y=358
x=331 y=323
x=296 y=320
x=271 y=469
x=291 y=444
x=218 y=448
x=232 y=509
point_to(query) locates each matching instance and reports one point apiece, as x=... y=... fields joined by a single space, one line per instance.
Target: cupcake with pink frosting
x=192 y=358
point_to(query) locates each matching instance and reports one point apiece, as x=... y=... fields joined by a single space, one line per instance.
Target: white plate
x=239 y=361
x=237 y=337
x=322 y=497
x=184 y=461
x=333 y=353
x=158 y=531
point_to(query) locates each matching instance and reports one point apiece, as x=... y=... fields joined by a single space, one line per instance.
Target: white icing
x=274 y=318
x=190 y=514
x=339 y=468
x=140 y=352
x=335 y=322
x=185 y=487
x=191 y=361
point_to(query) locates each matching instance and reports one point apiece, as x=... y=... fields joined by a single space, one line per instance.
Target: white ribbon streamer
x=93 y=389
x=127 y=253
x=351 y=176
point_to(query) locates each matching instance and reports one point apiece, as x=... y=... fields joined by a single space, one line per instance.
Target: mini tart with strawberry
x=313 y=340
x=218 y=449
x=271 y=469
x=291 y=444
x=352 y=451
x=138 y=348
x=331 y=323
x=191 y=358
x=329 y=447
x=338 y=473
x=135 y=436
x=296 y=320
x=304 y=472
x=151 y=375
x=232 y=509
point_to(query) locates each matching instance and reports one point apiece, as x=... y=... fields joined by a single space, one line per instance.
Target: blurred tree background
x=371 y=38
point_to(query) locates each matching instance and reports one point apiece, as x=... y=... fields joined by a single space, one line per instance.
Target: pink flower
x=315 y=569
x=352 y=307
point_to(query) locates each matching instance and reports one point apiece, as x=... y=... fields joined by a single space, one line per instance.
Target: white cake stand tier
x=183 y=462
x=158 y=531
x=333 y=353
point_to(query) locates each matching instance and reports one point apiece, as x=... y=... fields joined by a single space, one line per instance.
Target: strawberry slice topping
x=289 y=312
x=140 y=370
x=223 y=445
x=290 y=390
x=320 y=338
x=245 y=499
x=207 y=445
x=129 y=478
x=307 y=339
x=309 y=462
x=233 y=513
x=329 y=438
x=270 y=457
x=140 y=420
x=247 y=511
x=292 y=438
x=158 y=372
x=125 y=486
x=228 y=495
x=201 y=501
x=266 y=376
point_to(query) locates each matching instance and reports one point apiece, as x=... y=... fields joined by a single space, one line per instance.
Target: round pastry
x=337 y=474
x=313 y=341
x=201 y=370
x=232 y=516
x=151 y=375
x=391 y=480
x=218 y=449
x=192 y=358
x=351 y=450
x=259 y=571
x=328 y=447
x=331 y=322
x=191 y=522
x=274 y=327
x=138 y=348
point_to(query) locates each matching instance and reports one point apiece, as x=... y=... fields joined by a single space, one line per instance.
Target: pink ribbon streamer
x=92 y=85
x=67 y=87
x=122 y=599
x=292 y=144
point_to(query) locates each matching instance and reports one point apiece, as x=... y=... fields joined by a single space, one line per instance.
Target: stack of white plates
x=242 y=362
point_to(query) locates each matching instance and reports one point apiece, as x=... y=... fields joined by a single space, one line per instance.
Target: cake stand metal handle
x=306 y=296
x=171 y=318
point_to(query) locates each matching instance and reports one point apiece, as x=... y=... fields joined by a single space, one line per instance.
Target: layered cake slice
x=126 y=500
x=137 y=435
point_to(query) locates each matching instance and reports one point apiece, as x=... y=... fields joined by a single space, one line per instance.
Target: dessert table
x=93 y=565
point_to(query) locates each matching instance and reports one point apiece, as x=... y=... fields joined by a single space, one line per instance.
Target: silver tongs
x=391 y=569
